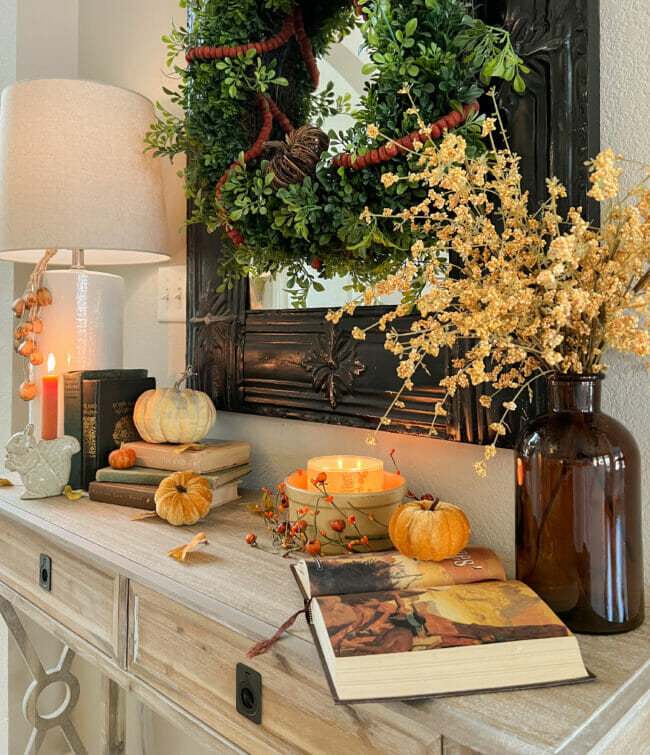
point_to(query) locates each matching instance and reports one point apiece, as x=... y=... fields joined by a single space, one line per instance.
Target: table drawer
x=84 y=597
x=192 y=659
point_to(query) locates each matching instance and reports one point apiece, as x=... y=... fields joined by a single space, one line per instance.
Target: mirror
x=342 y=66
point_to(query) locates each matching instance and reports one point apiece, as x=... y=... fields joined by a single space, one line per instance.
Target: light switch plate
x=171 y=293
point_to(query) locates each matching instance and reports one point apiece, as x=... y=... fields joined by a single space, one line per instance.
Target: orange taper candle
x=50 y=402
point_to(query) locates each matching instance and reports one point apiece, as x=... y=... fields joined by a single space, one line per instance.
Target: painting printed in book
x=389 y=627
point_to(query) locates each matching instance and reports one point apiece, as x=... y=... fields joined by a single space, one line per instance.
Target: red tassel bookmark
x=265 y=645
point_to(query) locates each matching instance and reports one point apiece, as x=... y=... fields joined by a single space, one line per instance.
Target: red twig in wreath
x=387 y=152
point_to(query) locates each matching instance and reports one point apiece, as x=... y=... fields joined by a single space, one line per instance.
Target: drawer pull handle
x=248 y=694
x=45 y=572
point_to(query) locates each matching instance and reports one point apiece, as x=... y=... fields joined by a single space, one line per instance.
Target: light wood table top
x=247 y=589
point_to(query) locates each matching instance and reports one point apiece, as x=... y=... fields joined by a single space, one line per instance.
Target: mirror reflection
x=342 y=67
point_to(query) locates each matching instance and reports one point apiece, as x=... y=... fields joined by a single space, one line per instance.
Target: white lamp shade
x=74 y=174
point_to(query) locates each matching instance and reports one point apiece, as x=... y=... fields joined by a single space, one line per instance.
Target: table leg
x=112 y=734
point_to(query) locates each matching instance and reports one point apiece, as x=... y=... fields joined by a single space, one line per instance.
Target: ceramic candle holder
x=381 y=504
x=44 y=466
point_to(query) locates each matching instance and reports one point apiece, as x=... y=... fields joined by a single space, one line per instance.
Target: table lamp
x=74 y=177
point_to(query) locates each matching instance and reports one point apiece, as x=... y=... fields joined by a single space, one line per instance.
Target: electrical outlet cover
x=171 y=293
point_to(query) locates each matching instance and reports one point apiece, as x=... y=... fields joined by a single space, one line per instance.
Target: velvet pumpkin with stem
x=174 y=415
x=183 y=498
x=429 y=530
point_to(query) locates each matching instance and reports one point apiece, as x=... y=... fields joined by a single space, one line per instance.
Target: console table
x=173 y=634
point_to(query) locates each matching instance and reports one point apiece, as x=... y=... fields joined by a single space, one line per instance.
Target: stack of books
x=222 y=463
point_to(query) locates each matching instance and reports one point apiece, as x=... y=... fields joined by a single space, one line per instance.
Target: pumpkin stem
x=181 y=488
x=183 y=377
x=433 y=504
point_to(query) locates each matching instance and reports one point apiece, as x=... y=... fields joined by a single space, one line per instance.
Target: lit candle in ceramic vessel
x=347 y=474
x=50 y=402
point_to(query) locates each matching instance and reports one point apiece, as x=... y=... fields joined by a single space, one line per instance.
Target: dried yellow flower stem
x=537 y=292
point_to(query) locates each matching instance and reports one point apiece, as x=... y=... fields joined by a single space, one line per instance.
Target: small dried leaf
x=189 y=446
x=181 y=552
x=72 y=495
x=6 y=483
x=144 y=515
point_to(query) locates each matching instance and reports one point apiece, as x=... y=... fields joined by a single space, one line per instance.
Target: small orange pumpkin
x=429 y=530
x=183 y=498
x=122 y=458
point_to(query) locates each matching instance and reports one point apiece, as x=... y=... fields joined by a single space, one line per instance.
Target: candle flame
x=51 y=364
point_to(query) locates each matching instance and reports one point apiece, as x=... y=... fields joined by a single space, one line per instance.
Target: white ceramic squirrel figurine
x=44 y=466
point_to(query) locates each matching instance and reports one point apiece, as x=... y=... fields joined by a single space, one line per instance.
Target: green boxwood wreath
x=250 y=77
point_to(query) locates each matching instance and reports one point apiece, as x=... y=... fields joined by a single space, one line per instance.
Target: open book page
x=389 y=570
x=443 y=617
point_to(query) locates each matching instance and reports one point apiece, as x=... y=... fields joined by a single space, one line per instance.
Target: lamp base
x=82 y=327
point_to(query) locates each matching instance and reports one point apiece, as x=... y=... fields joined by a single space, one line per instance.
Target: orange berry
x=251 y=538
x=364 y=539
x=329 y=499
x=371 y=516
x=338 y=525
x=352 y=519
x=321 y=477
x=313 y=547
x=323 y=533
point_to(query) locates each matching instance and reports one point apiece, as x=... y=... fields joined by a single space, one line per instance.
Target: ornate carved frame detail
x=289 y=363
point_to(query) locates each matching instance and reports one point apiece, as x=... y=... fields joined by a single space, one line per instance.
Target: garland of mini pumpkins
x=29 y=325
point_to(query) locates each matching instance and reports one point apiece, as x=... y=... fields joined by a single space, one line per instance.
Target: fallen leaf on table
x=6 y=483
x=72 y=495
x=189 y=447
x=183 y=550
x=144 y=515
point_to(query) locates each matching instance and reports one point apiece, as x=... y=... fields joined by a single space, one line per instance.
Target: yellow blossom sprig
x=532 y=292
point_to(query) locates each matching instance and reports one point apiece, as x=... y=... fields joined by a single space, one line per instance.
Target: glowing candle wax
x=347 y=474
x=50 y=402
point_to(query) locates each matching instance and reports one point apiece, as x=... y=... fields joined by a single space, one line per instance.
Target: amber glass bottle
x=578 y=510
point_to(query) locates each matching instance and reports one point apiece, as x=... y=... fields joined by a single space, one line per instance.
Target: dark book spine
x=111 y=402
x=89 y=430
x=121 y=495
x=72 y=422
x=72 y=409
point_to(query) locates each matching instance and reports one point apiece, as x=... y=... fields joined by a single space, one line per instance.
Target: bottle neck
x=574 y=393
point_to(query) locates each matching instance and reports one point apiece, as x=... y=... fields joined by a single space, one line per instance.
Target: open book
x=389 y=627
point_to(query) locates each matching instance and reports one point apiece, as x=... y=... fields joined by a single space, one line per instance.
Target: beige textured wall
x=7 y=76
x=119 y=43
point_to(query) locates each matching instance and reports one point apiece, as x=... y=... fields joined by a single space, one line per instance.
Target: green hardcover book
x=146 y=476
x=107 y=420
x=72 y=422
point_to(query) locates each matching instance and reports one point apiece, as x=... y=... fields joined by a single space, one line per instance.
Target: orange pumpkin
x=429 y=530
x=122 y=458
x=183 y=498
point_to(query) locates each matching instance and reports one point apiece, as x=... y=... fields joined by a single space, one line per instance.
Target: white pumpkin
x=172 y=415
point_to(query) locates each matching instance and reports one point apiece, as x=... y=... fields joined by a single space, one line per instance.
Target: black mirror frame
x=293 y=364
